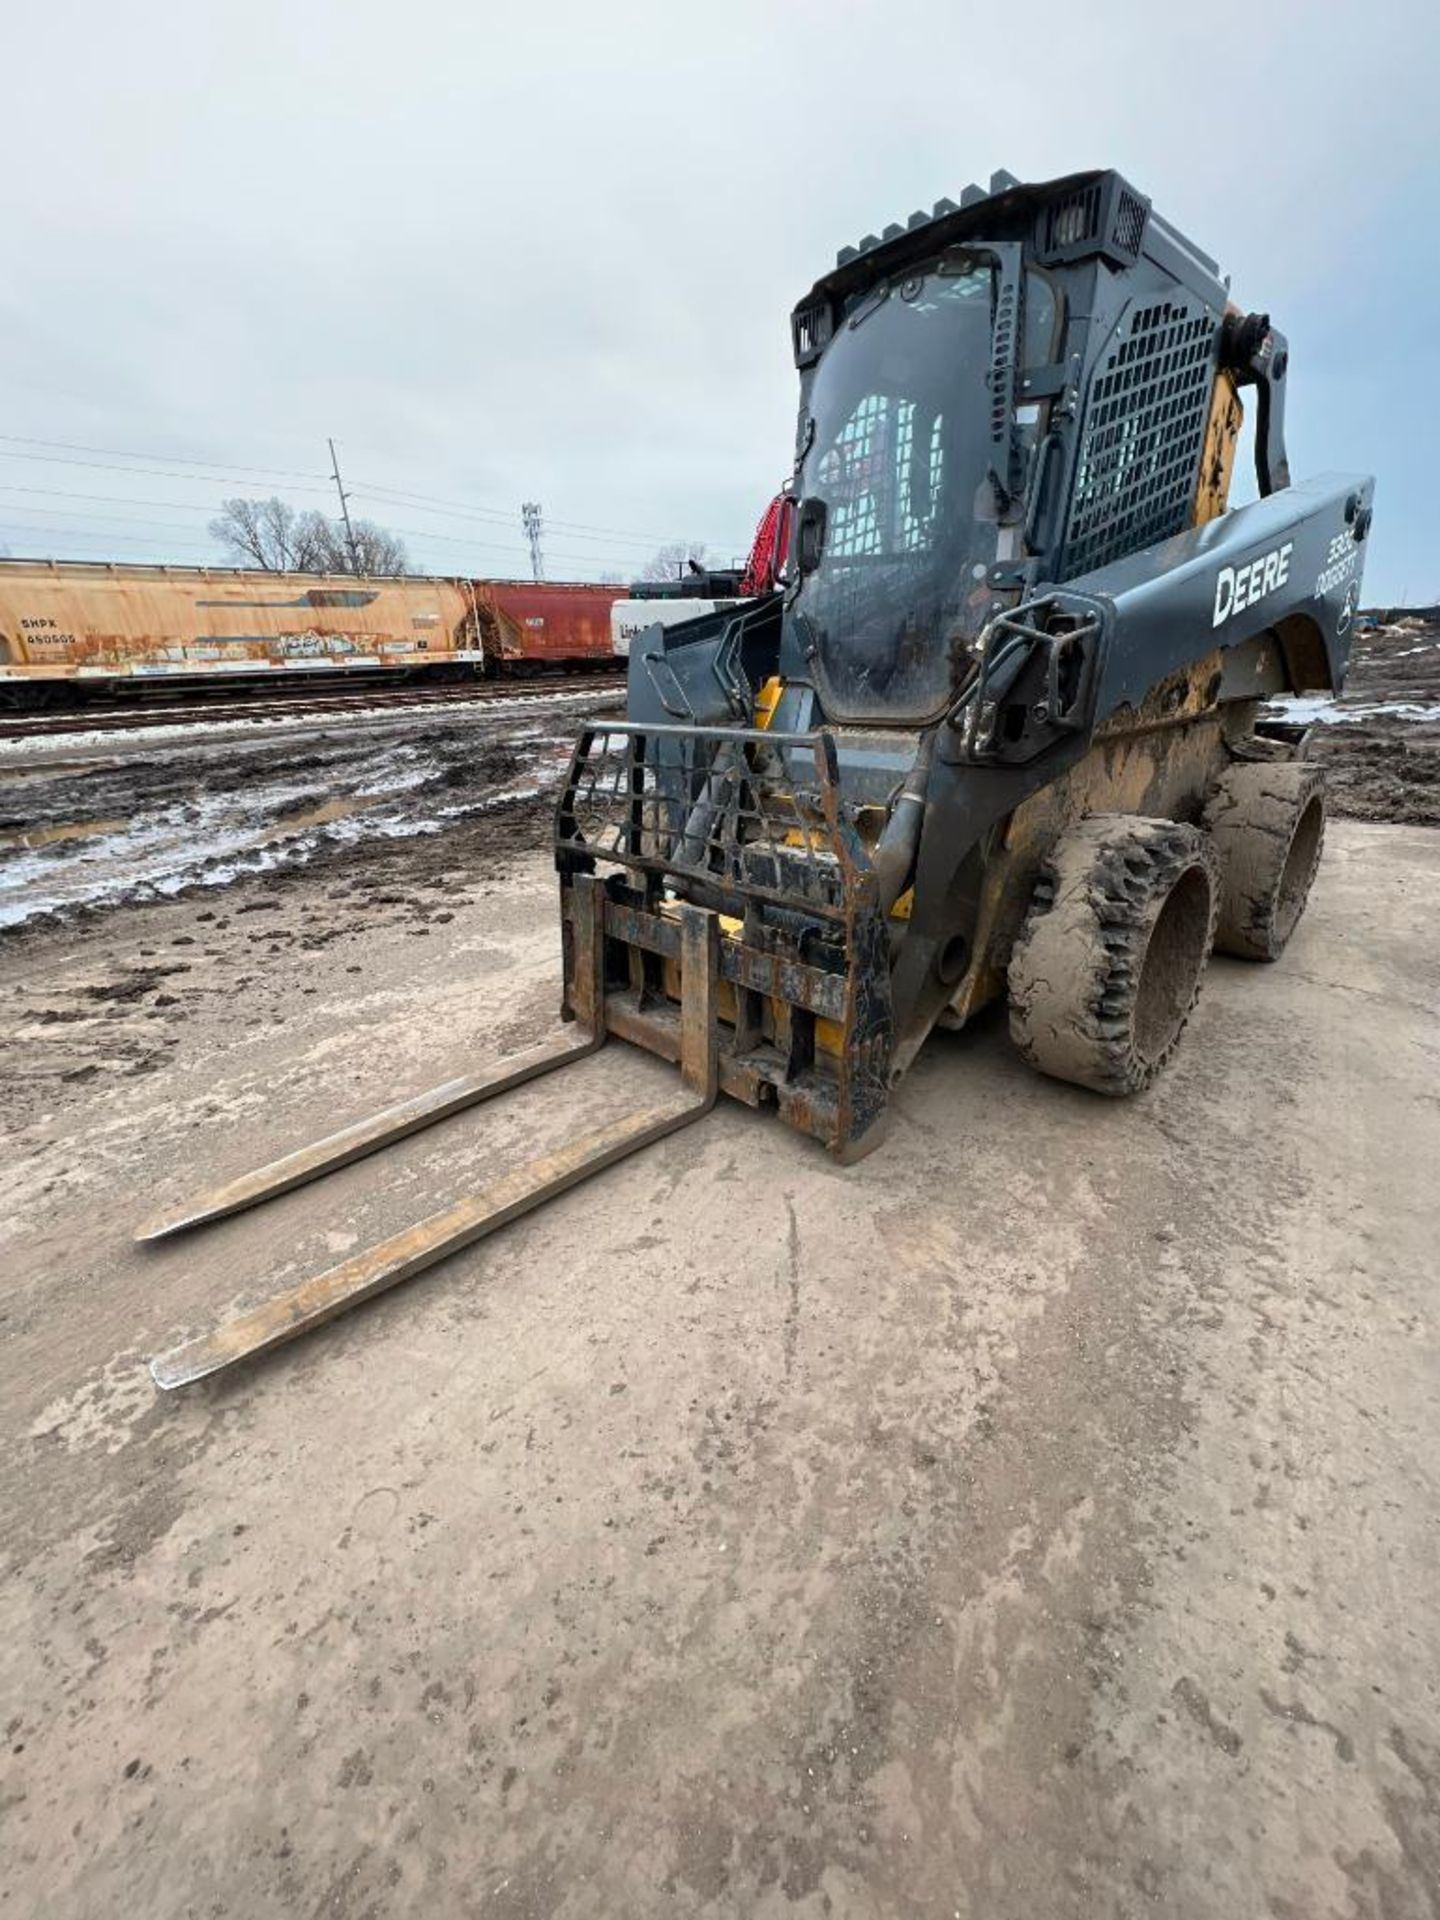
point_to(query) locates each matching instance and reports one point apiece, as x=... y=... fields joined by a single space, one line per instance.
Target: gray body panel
x=1170 y=600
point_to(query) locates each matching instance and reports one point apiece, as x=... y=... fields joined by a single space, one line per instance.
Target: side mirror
x=810 y=534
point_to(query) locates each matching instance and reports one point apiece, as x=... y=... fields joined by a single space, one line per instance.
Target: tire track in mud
x=89 y=836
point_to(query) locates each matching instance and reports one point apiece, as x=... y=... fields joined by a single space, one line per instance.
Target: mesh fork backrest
x=712 y=803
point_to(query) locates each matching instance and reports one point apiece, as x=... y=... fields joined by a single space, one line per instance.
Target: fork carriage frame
x=750 y=824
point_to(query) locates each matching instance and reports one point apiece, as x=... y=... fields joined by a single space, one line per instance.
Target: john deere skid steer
x=996 y=735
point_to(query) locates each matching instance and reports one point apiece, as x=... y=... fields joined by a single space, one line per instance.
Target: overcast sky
x=548 y=252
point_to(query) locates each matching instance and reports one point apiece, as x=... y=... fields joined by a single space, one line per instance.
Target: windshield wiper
x=863 y=312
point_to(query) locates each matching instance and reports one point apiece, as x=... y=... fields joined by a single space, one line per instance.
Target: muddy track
x=77 y=839
x=110 y=993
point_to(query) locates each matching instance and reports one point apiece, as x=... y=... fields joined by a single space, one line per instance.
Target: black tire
x=1267 y=819
x=1108 y=964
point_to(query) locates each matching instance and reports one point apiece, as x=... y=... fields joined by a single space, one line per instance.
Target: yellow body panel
x=829 y=1038
x=1217 y=463
x=767 y=700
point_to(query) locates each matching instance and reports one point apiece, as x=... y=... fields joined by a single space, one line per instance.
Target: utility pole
x=344 y=508
x=530 y=517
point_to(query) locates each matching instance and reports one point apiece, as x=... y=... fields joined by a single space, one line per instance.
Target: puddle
x=322 y=816
x=28 y=839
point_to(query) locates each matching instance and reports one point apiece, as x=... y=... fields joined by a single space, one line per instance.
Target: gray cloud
x=552 y=256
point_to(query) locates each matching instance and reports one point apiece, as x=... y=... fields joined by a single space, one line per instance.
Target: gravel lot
x=1039 y=1519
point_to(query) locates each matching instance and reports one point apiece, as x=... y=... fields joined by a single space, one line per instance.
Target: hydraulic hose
x=895 y=850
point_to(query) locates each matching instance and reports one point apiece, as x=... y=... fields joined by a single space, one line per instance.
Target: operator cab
x=900 y=487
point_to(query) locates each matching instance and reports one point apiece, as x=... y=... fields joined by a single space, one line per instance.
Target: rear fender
x=1291 y=563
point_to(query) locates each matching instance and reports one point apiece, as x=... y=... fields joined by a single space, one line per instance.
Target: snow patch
x=1306 y=709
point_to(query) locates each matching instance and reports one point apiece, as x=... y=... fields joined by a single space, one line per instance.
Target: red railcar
x=543 y=624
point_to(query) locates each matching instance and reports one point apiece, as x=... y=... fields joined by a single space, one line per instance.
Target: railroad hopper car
x=553 y=623
x=70 y=627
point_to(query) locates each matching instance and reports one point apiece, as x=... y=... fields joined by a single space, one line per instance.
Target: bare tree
x=264 y=533
x=314 y=545
x=673 y=560
x=376 y=551
x=273 y=535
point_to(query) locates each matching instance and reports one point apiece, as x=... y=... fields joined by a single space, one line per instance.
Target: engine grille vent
x=1073 y=221
x=1105 y=216
x=1143 y=433
x=811 y=328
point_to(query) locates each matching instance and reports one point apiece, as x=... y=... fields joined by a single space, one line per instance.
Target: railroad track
x=260 y=710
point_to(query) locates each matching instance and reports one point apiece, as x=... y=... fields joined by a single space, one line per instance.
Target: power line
x=376 y=491
x=123 y=519
x=423 y=534
x=189 y=506
x=89 y=537
x=172 y=459
x=646 y=542
x=111 y=499
x=315 y=483
x=490 y=546
x=578 y=527
x=88 y=513
x=582 y=532
x=54 y=460
x=386 y=506
x=124 y=539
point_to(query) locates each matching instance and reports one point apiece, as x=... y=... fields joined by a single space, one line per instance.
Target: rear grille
x=1129 y=226
x=1143 y=433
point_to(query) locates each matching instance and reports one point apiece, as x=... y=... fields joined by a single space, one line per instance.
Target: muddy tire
x=1108 y=963
x=1267 y=820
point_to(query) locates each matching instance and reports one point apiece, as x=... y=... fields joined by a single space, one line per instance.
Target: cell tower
x=530 y=515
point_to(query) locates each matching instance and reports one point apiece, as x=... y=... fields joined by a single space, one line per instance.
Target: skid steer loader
x=996 y=734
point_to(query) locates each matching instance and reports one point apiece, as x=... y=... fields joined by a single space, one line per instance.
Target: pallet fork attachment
x=407 y=1253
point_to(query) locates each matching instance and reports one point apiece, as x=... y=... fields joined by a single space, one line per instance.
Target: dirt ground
x=1038 y=1520
x=1380 y=742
